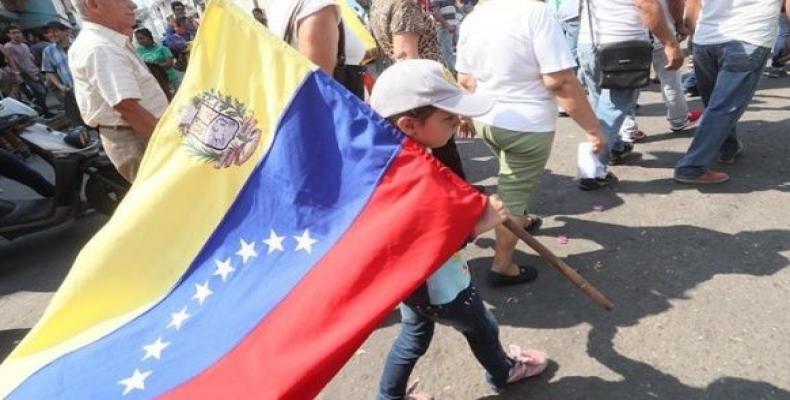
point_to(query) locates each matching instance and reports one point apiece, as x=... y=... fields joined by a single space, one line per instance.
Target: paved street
x=699 y=277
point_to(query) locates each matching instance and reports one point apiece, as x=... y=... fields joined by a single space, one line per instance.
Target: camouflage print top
x=391 y=17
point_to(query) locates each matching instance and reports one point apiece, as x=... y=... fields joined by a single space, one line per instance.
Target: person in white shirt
x=115 y=91
x=614 y=21
x=314 y=31
x=732 y=43
x=515 y=52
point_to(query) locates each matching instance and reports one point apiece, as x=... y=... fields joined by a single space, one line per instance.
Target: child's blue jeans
x=468 y=315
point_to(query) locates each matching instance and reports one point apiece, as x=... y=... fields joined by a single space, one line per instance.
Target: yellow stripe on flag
x=179 y=197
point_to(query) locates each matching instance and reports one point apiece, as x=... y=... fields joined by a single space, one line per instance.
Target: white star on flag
x=223 y=268
x=305 y=242
x=247 y=251
x=274 y=242
x=136 y=381
x=177 y=319
x=155 y=349
x=201 y=292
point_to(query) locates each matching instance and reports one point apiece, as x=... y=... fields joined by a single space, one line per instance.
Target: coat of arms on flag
x=220 y=129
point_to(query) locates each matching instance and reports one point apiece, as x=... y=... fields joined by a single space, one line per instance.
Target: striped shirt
x=54 y=60
x=106 y=71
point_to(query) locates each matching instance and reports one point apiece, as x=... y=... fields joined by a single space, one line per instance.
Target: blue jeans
x=446 y=46
x=611 y=106
x=468 y=315
x=11 y=167
x=727 y=77
x=779 y=47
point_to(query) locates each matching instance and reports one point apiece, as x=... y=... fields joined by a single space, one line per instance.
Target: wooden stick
x=564 y=268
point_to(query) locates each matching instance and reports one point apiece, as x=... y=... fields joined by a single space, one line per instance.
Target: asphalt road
x=699 y=277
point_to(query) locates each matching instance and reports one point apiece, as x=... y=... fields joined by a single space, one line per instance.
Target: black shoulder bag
x=621 y=65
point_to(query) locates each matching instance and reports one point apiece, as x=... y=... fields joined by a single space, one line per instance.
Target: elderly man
x=732 y=42
x=115 y=91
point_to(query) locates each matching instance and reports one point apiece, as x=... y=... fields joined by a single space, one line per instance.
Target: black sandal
x=534 y=224
x=526 y=274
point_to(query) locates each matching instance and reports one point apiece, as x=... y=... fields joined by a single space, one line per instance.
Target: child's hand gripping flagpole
x=564 y=268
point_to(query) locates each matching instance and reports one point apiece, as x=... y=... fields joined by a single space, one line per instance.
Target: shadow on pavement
x=9 y=339
x=641 y=269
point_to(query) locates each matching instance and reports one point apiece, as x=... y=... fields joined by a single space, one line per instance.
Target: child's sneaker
x=529 y=363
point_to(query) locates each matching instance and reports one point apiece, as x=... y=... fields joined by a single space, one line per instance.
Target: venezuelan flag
x=274 y=222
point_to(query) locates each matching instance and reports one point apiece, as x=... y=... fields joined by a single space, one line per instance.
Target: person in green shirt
x=156 y=53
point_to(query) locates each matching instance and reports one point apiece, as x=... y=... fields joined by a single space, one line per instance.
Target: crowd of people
x=503 y=70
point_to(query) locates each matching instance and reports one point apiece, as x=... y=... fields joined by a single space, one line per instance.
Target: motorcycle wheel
x=101 y=197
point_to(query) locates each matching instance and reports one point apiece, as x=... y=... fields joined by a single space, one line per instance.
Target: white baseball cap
x=411 y=84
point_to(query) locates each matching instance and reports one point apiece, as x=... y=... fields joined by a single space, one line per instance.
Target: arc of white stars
x=154 y=350
x=247 y=251
x=177 y=319
x=305 y=242
x=201 y=292
x=274 y=242
x=134 y=382
x=223 y=269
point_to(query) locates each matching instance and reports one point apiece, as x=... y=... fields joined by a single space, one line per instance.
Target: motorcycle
x=80 y=167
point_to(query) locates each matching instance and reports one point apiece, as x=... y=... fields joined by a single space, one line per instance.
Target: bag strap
x=291 y=27
x=290 y=30
x=589 y=21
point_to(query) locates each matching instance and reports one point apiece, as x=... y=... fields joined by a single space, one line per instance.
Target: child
x=419 y=99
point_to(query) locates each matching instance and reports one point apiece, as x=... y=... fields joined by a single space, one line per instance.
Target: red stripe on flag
x=416 y=219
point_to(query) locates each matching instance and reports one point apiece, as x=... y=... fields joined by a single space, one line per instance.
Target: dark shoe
x=708 y=177
x=533 y=224
x=618 y=157
x=729 y=157
x=597 y=183
x=526 y=274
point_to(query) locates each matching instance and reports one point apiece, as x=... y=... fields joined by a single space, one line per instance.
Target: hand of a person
x=674 y=56
x=467 y=129
x=598 y=141
x=682 y=31
x=494 y=214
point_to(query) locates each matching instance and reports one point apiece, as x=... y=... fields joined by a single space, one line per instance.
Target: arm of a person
x=54 y=79
x=141 y=121
x=692 y=14
x=9 y=59
x=570 y=95
x=469 y=83
x=112 y=76
x=405 y=45
x=170 y=60
x=318 y=38
x=676 y=10
x=653 y=17
x=787 y=10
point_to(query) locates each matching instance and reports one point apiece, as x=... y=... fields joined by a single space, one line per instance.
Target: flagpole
x=564 y=268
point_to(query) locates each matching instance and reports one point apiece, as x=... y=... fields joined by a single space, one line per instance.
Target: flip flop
x=526 y=274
